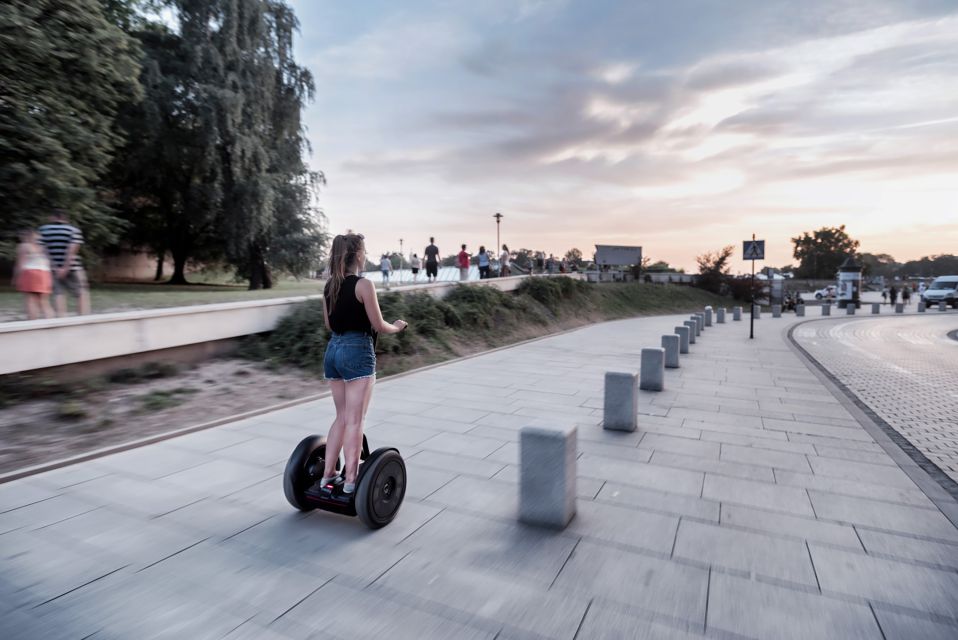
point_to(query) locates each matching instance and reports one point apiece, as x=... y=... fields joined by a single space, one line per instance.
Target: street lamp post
x=400 y=260
x=498 y=218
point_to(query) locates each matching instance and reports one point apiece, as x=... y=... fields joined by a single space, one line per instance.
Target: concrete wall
x=39 y=344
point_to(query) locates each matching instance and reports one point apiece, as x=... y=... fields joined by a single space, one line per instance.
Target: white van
x=942 y=288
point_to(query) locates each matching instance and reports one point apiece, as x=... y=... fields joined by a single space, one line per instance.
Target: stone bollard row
x=692 y=326
x=757 y=308
x=720 y=315
x=800 y=311
x=849 y=310
x=736 y=314
x=621 y=405
x=671 y=345
x=921 y=307
x=700 y=323
x=547 y=476
x=876 y=308
x=899 y=307
x=826 y=309
x=683 y=334
x=652 y=370
x=942 y=306
x=708 y=316
x=776 y=311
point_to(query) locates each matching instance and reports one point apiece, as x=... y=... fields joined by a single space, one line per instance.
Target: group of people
x=48 y=263
x=890 y=295
x=463 y=260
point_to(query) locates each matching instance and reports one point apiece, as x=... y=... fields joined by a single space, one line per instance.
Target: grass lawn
x=127 y=297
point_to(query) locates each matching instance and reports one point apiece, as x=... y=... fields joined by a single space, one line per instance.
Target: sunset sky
x=679 y=126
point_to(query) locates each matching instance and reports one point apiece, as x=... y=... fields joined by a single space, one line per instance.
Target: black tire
x=305 y=467
x=818 y=296
x=381 y=489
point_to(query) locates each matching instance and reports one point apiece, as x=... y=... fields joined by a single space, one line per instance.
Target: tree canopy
x=714 y=268
x=821 y=252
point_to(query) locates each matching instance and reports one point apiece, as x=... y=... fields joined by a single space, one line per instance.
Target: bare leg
x=334 y=439
x=33 y=309
x=357 y=399
x=45 y=306
x=60 y=303
x=83 y=302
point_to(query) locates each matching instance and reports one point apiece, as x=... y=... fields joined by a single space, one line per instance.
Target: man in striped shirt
x=62 y=241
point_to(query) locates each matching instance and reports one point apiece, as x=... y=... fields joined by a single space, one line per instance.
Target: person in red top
x=463 y=264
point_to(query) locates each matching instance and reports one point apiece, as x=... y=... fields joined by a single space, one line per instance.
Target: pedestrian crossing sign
x=753 y=250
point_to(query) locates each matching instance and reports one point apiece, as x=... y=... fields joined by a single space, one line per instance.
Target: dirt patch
x=69 y=420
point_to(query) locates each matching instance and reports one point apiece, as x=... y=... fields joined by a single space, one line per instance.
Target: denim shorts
x=350 y=356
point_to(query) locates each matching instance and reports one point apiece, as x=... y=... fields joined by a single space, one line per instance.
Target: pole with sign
x=753 y=250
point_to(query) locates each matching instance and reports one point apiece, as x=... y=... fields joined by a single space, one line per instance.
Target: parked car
x=827 y=292
x=944 y=288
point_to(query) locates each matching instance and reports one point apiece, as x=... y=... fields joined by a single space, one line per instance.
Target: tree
x=659 y=266
x=574 y=256
x=714 y=268
x=882 y=264
x=821 y=253
x=64 y=71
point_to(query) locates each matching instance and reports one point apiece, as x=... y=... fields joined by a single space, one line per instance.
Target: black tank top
x=349 y=313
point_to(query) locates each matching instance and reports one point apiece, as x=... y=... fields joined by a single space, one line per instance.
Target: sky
x=679 y=126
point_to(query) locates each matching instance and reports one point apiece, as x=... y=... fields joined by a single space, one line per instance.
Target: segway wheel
x=305 y=467
x=381 y=489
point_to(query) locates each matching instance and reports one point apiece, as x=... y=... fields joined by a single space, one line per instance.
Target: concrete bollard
x=876 y=308
x=921 y=307
x=800 y=311
x=736 y=314
x=547 y=472
x=899 y=307
x=942 y=306
x=699 y=323
x=683 y=334
x=826 y=309
x=758 y=311
x=850 y=310
x=720 y=315
x=671 y=345
x=652 y=371
x=691 y=324
x=776 y=311
x=708 y=316
x=621 y=401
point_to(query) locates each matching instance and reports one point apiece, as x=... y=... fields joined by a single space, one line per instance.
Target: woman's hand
x=400 y=324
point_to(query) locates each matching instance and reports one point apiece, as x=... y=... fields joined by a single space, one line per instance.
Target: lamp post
x=498 y=216
x=400 y=260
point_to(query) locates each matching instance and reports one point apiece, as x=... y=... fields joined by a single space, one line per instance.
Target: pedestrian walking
x=431 y=254
x=563 y=266
x=551 y=264
x=62 y=241
x=884 y=296
x=541 y=262
x=463 y=261
x=352 y=314
x=415 y=264
x=32 y=275
x=504 y=262
x=893 y=294
x=483 y=263
x=906 y=295
x=385 y=266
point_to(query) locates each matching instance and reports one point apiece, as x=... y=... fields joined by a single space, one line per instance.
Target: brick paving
x=904 y=368
x=749 y=504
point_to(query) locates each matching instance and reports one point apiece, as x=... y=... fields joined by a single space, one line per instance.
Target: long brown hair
x=342 y=256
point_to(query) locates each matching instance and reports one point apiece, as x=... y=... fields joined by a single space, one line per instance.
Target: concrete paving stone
x=654 y=585
x=42 y=513
x=611 y=621
x=579 y=415
x=21 y=494
x=210 y=439
x=533 y=554
x=861 y=472
x=754 y=553
x=350 y=613
x=522 y=397
x=712 y=418
x=896 y=583
x=26 y=625
x=810 y=428
x=217 y=476
x=257 y=452
x=761 y=610
x=623 y=525
x=907 y=548
x=806 y=408
x=873 y=457
x=744 y=431
x=444 y=412
x=499 y=433
x=586 y=488
x=386 y=434
x=659 y=501
x=382 y=410
x=254 y=629
x=790 y=526
x=424 y=482
x=58 y=479
x=456 y=464
x=884 y=492
x=763 y=495
x=216 y=518
x=835 y=442
x=461 y=444
x=659 y=442
x=305 y=416
x=507 y=453
x=287 y=434
x=444 y=425
x=695 y=463
x=494 y=498
x=643 y=475
x=488 y=595
x=899 y=626
x=765 y=457
x=614 y=450
x=151 y=462
x=886 y=516
x=595 y=433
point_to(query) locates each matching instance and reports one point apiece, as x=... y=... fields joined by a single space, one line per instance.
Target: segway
x=380 y=483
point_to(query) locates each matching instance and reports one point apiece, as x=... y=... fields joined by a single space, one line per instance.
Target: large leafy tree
x=821 y=252
x=65 y=69
x=714 y=268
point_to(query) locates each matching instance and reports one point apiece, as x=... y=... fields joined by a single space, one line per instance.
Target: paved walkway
x=749 y=504
x=905 y=369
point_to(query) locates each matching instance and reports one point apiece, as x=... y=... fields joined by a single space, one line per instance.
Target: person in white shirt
x=504 y=262
x=385 y=265
x=416 y=265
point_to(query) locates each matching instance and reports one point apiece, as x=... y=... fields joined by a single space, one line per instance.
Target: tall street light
x=498 y=216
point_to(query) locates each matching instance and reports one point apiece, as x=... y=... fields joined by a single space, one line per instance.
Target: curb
x=933 y=482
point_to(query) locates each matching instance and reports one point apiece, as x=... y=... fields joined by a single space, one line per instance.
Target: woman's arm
x=366 y=293
x=326 y=315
